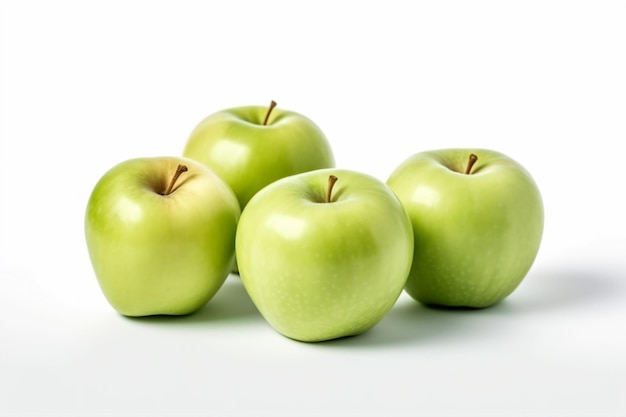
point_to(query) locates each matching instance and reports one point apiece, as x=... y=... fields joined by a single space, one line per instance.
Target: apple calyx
x=472 y=160
x=331 y=183
x=179 y=170
x=269 y=110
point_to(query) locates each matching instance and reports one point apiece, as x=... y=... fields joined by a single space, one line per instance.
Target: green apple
x=160 y=232
x=324 y=254
x=250 y=147
x=477 y=219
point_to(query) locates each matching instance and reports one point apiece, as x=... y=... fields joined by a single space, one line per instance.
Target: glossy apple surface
x=477 y=234
x=250 y=147
x=158 y=252
x=319 y=270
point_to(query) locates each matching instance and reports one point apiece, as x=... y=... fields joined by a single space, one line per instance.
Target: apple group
x=323 y=252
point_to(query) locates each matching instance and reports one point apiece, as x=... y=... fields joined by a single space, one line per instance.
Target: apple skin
x=318 y=271
x=477 y=235
x=249 y=155
x=159 y=254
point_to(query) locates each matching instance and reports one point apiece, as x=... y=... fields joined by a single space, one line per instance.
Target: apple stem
x=179 y=170
x=472 y=160
x=331 y=183
x=269 y=110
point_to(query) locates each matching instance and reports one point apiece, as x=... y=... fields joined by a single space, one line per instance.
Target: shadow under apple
x=550 y=289
x=410 y=322
x=231 y=303
x=541 y=293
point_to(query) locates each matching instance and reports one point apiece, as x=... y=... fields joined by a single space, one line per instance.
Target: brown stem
x=331 y=183
x=472 y=160
x=181 y=168
x=269 y=110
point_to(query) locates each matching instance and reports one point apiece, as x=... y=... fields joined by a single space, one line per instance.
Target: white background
x=86 y=85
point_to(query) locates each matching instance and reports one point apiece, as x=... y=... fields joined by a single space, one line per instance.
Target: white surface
x=87 y=85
